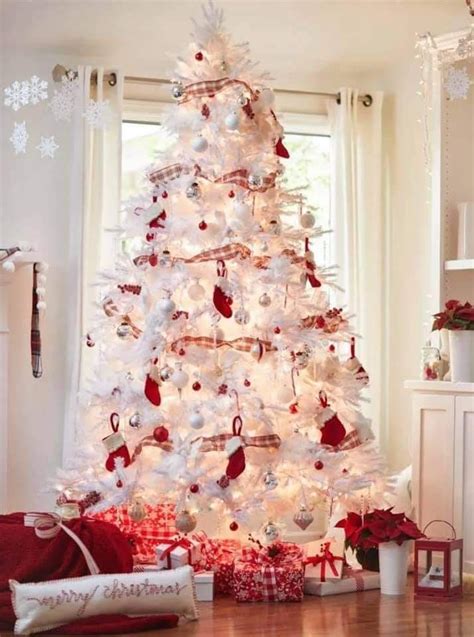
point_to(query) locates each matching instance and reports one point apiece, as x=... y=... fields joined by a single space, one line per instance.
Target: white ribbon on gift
x=48 y=525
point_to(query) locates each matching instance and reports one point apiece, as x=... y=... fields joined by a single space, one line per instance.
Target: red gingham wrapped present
x=218 y=556
x=145 y=535
x=269 y=574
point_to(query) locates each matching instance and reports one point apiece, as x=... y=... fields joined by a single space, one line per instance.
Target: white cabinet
x=443 y=458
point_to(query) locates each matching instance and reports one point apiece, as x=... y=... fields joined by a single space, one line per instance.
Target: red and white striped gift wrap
x=143 y=536
x=258 y=577
x=352 y=581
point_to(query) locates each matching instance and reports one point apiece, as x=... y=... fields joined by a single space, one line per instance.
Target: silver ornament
x=303 y=518
x=271 y=532
x=135 y=420
x=199 y=144
x=177 y=91
x=270 y=480
x=241 y=316
x=165 y=258
x=242 y=100
x=255 y=181
x=274 y=227
x=166 y=373
x=301 y=360
x=307 y=220
x=265 y=300
x=185 y=522
x=123 y=330
x=192 y=191
x=137 y=511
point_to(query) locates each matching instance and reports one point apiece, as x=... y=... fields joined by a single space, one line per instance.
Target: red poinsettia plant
x=455 y=316
x=380 y=525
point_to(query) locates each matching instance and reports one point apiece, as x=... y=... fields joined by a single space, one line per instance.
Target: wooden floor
x=366 y=614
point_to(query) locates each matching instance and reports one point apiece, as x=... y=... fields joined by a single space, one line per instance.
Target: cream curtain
x=358 y=238
x=94 y=207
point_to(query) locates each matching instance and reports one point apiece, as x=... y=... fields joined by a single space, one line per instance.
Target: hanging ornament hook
x=114 y=421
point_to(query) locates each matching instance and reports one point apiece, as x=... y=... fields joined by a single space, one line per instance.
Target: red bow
x=326 y=558
x=174 y=544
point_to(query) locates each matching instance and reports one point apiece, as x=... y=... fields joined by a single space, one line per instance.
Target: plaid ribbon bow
x=149 y=441
x=350 y=441
x=242 y=344
x=209 y=88
x=218 y=442
x=285 y=558
x=326 y=558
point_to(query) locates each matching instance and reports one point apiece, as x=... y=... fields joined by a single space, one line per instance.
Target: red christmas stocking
x=235 y=451
x=280 y=149
x=222 y=301
x=333 y=431
x=115 y=445
x=152 y=387
x=309 y=263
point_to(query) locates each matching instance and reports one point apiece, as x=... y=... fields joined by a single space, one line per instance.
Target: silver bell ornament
x=123 y=330
x=241 y=316
x=166 y=373
x=135 y=420
x=185 y=522
x=271 y=532
x=193 y=191
x=307 y=220
x=177 y=91
x=255 y=181
x=270 y=480
x=265 y=300
x=137 y=511
x=303 y=518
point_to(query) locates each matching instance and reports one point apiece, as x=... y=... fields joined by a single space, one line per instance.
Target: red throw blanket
x=27 y=558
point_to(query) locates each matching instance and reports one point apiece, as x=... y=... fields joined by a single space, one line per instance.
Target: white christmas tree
x=225 y=380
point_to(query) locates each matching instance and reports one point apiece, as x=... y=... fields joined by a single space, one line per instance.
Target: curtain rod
x=59 y=71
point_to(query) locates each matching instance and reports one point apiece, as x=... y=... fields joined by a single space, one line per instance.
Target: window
x=308 y=168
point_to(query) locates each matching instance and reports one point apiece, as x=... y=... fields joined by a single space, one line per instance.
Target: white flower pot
x=393 y=561
x=461 y=350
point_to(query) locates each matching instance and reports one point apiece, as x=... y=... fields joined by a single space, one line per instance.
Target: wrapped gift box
x=143 y=536
x=177 y=552
x=351 y=581
x=274 y=573
x=218 y=556
x=325 y=557
x=204 y=585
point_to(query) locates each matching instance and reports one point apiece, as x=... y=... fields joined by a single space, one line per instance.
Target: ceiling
x=295 y=40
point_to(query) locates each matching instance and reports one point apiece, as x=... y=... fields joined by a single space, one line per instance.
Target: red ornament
x=222 y=301
x=164 y=194
x=182 y=352
x=199 y=56
x=222 y=389
x=280 y=149
x=205 y=112
x=318 y=465
x=194 y=488
x=276 y=330
x=152 y=391
x=203 y=225
x=223 y=482
x=233 y=526
x=196 y=386
x=332 y=348
x=293 y=408
x=345 y=471
x=153 y=260
x=247 y=383
x=236 y=464
x=161 y=434
x=231 y=194
x=150 y=236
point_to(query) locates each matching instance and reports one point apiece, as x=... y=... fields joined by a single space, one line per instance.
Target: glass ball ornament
x=241 y=316
x=303 y=518
x=255 y=181
x=265 y=300
x=194 y=488
x=270 y=480
x=307 y=220
x=123 y=330
x=233 y=526
x=166 y=373
x=232 y=121
x=179 y=378
x=196 y=291
x=193 y=191
x=135 y=420
x=137 y=510
x=199 y=144
x=196 y=420
x=185 y=522
x=165 y=258
x=165 y=306
x=242 y=99
x=271 y=532
x=161 y=434
x=177 y=91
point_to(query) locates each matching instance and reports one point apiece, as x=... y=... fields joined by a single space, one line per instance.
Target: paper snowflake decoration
x=17 y=95
x=64 y=101
x=47 y=147
x=38 y=90
x=19 y=137
x=97 y=114
x=457 y=83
